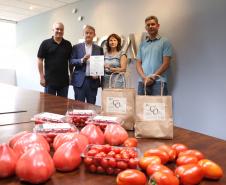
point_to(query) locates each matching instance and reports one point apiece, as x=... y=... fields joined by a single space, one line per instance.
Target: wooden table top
x=34 y=102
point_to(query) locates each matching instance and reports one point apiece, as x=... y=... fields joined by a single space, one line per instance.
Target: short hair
x=152 y=17
x=89 y=27
x=58 y=23
x=119 y=47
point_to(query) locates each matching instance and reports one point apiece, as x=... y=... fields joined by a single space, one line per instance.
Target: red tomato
x=157 y=152
x=92 y=152
x=93 y=133
x=152 y=168
x=100 y=169
x=145 y=161
x=92 y=168
x=170 y=151
x=111 y=154
x=210 y=169
x=117 y=150
x=14 y=138
x=67 y=157
x=186 y=159
x=88 y=161
x=104 y=162
x=161 y=178
x=8 y=159
x=28 y=141
x=189 y=174
x=133 y=163
x=82 y=142
x=179 y=147
x=115 y=135
x=131 y=177
x=130 y=142
x=62 y=138
x=112 y=162
x=107 y=148
x=35 y=166
x=98 y=148
x=196 y=153
x=110 y=171
x=122 y=165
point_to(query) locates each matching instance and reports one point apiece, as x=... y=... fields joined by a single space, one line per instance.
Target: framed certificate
x=97 y=65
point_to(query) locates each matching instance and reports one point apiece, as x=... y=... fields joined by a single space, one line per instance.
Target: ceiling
x=17 y=10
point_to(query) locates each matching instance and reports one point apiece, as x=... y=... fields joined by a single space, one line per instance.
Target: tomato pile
x=28 y=156
x=110 y=159
x=191 y=166
x=79 y=117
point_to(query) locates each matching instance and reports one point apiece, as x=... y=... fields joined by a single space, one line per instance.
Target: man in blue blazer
x=85 y=86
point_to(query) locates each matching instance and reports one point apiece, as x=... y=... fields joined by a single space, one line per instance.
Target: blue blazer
x=79 y=69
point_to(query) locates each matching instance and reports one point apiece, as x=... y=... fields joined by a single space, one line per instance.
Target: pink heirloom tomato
x=8 y=159
x=35 y=166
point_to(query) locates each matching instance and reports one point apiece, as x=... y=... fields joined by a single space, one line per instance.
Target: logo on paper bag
x=154 y=111
x=116 y=104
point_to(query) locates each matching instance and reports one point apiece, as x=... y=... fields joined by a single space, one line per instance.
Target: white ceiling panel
x=17 y=10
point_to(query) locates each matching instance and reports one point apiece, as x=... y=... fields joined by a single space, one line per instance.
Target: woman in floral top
x=115 y=61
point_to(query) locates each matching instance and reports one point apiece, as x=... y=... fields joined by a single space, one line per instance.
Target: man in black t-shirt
x=53 y=62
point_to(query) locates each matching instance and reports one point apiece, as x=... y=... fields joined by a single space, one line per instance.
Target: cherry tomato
x=104 y=162
x=157 y=152
x=112 y=162
x=161 y=178
x=196 y=153
x=186 y=159
x=92 y=152
x=100 y=169
x=92 y=168
x=110 y=171
x=131 y=177
x=210 y=169
x=130 y=142
x=122 y=165
x=145 y=161
x=133 y=163
x=152 y=168
x=189 y=174
x=88 y=161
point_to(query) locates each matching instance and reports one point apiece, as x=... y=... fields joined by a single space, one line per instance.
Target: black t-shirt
x=56 y=57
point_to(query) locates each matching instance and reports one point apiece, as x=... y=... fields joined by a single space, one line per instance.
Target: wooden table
x=34 y=102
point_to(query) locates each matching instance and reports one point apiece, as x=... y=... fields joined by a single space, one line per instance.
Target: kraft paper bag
x=154 y=118
x=120 y=103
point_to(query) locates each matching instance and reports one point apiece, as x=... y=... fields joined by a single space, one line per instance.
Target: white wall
x=196 y=29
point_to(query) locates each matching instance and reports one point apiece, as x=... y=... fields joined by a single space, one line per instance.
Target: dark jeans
x=85 y=92
x=154 y=89
x=58 y=91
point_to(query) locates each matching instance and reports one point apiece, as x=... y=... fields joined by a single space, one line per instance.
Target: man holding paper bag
x=88 y=61
x=153 y=59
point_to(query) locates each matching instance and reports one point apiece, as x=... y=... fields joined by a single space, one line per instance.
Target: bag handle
x=116 y=79
x=162 y=84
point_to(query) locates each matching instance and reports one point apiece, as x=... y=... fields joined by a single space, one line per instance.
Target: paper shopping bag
x=154 y=115
x=120 y=103
x=154 y=118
